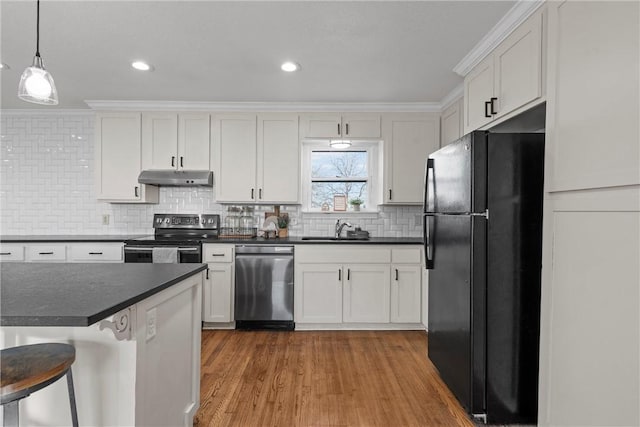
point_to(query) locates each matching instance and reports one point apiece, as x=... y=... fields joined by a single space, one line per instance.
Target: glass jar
x=246 y=218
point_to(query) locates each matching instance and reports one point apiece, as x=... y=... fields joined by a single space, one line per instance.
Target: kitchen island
x=136 y=329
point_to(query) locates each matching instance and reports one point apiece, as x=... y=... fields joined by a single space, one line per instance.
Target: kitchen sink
x=338 y=239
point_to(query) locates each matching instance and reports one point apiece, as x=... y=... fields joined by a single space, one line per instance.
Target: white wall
x=47 y=187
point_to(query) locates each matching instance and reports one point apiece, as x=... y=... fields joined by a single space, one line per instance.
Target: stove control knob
x=167 y=220
x=158 y=220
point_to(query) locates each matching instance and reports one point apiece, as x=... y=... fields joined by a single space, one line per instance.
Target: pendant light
x=36 y=83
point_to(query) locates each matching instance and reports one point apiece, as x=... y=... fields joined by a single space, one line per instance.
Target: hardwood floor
x=333 y=378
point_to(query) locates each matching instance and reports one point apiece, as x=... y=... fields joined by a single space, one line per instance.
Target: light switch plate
x=151 y=324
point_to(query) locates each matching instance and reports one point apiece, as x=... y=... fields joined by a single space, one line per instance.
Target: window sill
x=334 y=214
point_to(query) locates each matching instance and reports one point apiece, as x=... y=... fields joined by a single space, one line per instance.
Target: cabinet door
x=193 y=142
x=234 y=143
x=406 y=295
x=518 y=67
x=278 y=162
x=46 y=252
x=451 y=123
x=408 y=142
x=366 y=293
x=217 y=301
x=478 y=89
x=318 y=293
x=322 y=126
x=159 y=141
x=118 y=159
x=96 y=252
x=361 y=126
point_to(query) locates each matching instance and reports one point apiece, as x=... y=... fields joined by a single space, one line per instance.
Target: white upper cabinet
x=408 y=140
x=233 y=140
x=175 y=141
x=256 y=158
x=451 y=124
x=337 y=125
x=278 y=161
x=118 y=159
x=509 y=78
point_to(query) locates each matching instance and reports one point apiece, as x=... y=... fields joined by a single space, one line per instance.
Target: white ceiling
x=214 y=51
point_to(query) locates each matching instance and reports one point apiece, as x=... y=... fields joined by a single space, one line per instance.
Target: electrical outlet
x=151 y=323
x=105 y=219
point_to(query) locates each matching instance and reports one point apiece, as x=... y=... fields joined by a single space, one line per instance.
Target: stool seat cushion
x=28 y=368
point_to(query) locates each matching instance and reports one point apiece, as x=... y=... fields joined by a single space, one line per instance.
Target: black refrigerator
x=482 y=225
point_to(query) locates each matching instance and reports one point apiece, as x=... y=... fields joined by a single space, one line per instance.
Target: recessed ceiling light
x=4 y=66
x=290 y=67
x=141 y=65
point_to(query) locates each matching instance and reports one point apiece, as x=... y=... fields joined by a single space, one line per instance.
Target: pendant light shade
x=36 y=83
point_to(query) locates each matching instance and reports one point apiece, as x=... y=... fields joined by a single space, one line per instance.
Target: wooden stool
x=29 y=368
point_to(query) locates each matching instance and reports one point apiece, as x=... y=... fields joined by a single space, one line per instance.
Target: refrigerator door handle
x=428 y=167
x=428 y=243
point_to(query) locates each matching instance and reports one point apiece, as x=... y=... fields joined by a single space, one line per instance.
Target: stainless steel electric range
x=185 y=233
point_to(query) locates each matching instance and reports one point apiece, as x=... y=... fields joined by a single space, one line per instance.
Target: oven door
x=186 y=254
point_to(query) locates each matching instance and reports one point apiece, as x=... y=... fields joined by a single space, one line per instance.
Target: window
x=329 y=172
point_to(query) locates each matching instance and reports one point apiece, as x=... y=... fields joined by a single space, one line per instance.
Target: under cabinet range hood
x=176 y=178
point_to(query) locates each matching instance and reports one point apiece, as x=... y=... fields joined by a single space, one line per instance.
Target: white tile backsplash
x=47 y=187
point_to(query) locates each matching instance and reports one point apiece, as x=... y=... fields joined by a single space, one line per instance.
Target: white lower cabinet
x=318 y=293
x=219 y=284
x=380 y=285
x=406 y=293
x=366 y=294
x=52 y=252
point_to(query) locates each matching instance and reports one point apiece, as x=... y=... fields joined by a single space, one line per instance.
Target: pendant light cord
x=38 y=28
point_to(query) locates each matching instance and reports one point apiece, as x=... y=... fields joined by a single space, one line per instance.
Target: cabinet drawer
x=11 y=252
x=340 y=253
x=47 y=253
x=218 y=253
x=96 y=252
x=406 y=255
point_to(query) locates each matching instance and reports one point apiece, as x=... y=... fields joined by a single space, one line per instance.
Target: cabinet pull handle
x=348 y=274
x=135 y=191
x=45 y=253
x=252 y=192
x=173 y=161
x=207 y=274
x=339 y=129
x=217 y=254
x=390 y=194
x=260 y=194
x=181 y=161
x=486 y=109
x=339 y=274
x=5 y=253
x=493 y=112
x=396 y=274
x=95 y=253
x=347 y=129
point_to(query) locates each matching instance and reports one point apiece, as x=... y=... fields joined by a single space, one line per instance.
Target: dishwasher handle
x=264 y=250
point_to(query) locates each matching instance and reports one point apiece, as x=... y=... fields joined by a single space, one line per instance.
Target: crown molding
x=509 y=22
x=105 y=105
x=42 y=112
x=452 y=97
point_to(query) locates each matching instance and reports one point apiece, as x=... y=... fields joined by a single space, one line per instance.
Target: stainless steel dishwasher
x=264 y=287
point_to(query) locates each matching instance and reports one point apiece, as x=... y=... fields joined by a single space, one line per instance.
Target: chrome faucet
x=340 y=226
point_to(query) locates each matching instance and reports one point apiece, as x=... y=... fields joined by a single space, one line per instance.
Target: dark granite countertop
x=56 y=294
x=69 y=238
x=298 y=241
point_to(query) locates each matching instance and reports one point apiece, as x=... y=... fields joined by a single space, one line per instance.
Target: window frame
x=373 y=180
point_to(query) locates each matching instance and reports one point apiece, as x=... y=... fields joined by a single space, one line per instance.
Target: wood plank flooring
x=332 y=378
